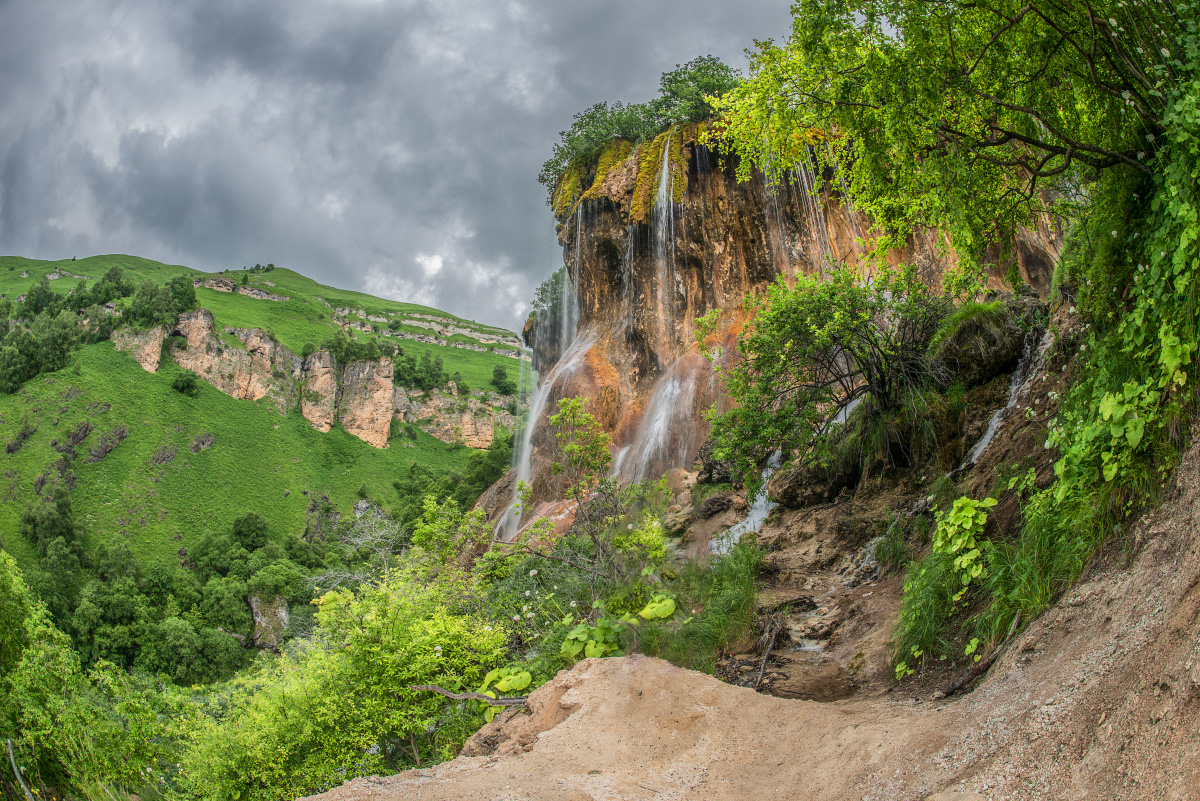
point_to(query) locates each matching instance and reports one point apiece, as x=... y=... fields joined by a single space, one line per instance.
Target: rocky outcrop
x=263 y=369
x=367 y=401
x=270 y=621
x=452 y=417
x=145 y=347
x=320 y=394
x=221 y=284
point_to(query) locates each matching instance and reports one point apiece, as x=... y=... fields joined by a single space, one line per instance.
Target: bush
x=817 y=347
x=187 y=383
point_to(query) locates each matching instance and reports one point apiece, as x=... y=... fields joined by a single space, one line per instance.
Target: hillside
x=164 y=487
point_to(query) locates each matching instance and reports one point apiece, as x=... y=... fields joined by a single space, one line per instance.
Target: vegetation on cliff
x=604 y=136
x=971 y=118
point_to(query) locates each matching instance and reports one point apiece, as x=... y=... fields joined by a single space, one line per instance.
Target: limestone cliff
x=145 y=347
x=367 y=401
x=654 y=241
x=319 y=396
x=263 y=369
x=452 y=417
x=246 y=363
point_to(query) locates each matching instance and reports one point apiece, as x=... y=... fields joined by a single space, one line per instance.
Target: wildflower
x=517 y=618
x=1112 y=22
x=572 y=604
x=555 y=586
x=529 y=614
x=629 y=527
x=1166 y=53
x=526 y=593
x=1114 y=233
x=1046 y=445
x=438 y=648
x=533 y=573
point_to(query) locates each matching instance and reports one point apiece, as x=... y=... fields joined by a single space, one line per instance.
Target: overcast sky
x=391 y=147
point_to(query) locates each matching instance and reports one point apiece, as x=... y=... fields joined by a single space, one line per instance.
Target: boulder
x=797 y=484
x=270 y=621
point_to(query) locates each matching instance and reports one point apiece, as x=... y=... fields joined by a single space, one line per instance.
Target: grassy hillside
x=259 y=461
x=302 y=319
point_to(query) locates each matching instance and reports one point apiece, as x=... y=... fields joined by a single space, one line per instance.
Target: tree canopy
x=956 y=114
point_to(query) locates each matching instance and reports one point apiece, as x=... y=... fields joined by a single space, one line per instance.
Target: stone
x=270 y=621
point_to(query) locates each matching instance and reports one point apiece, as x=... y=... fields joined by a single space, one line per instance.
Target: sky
x=388 y=147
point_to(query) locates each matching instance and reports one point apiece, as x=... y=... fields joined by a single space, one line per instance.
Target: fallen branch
x=773 y=627
x=516 y=700
x=981 y=666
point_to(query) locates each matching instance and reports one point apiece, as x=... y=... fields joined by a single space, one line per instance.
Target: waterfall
x=663 y=225
x=566 y=365
x=661 y=441
x=1014 y=386
x=815 y=211
x=756 y=515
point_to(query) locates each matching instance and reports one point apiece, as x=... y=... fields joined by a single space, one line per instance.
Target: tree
x=955 y=114
x=250 y=530
x=818 y=346
x=686 y=91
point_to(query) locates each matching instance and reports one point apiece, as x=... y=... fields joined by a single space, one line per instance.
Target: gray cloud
x=386 y=146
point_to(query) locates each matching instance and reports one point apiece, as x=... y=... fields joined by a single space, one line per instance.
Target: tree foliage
x=817 y=347
x=955 y=114
x=683 y=97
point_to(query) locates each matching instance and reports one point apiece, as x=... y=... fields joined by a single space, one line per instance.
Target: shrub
x=186 y=383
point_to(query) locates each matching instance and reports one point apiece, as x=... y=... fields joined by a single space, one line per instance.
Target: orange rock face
x=319 y=396
x=366 y=404
x=641 y=288
x=145 y=348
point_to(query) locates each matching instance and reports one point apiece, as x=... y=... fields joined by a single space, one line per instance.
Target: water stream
x=756 y=515
x=1014 y=385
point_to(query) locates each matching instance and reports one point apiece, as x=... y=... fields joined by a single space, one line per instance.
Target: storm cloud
x=391 y=147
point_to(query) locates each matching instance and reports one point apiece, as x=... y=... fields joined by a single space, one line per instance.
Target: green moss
x=568 y=190
x=616 y=153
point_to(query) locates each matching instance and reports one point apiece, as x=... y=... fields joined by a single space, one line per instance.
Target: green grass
x=301 y=319
x=257 y=456
x=12 y=284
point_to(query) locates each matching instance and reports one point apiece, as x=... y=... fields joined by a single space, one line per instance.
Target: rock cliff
x=658 y=235
x=246 y=363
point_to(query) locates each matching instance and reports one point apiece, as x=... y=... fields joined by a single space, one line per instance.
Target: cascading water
x=663 y=225
x=662 y=438
x=570 y=360
x=807 y=182
x=1014 y=386
x=756 y=515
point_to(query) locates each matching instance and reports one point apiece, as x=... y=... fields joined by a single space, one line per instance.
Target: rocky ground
x=1099 y=698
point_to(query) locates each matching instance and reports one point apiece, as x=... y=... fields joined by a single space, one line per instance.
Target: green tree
x=250 y=530
x=955 y=115
x=818 y=346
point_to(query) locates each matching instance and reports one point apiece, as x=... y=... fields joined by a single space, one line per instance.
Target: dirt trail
x=1099 y=698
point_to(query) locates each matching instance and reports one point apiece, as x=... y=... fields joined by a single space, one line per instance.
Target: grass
x=258 y=455
x=716 y=611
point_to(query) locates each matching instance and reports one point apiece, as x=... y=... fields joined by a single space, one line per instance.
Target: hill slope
x=191 y=465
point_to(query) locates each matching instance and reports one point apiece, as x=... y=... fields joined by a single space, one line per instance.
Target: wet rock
x=807 y=680
x=676 y=522
x=798 y=485
x=715 y=504
x=715 y=471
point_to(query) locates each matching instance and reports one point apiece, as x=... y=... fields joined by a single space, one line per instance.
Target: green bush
x=186 y=383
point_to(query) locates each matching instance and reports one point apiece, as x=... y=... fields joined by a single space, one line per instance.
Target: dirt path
x=1099 y=698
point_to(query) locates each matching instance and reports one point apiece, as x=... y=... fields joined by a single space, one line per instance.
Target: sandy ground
x=1099 y=698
